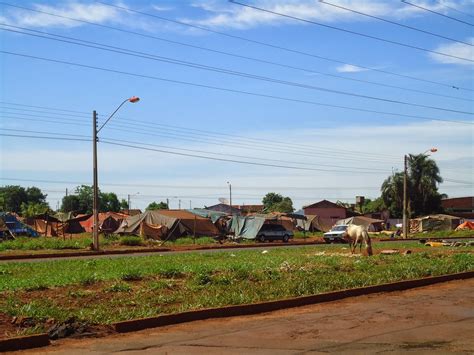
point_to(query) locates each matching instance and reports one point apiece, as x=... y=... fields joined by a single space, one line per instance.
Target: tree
x=157 y=206
x=422 y=188
x=374 y=206
x=14 y=196
x=82 y=201
x=124 y=204
x=31 y=209
x=274 y=202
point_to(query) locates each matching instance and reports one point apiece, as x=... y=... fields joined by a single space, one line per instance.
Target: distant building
x=326 y=210
x=222 y=207
x=462 y=207
x=247 y=209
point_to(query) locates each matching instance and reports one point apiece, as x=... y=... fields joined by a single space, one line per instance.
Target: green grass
x=191 y=241
x=102 y=291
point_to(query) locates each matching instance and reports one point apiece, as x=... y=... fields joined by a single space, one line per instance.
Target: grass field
x=102 y=291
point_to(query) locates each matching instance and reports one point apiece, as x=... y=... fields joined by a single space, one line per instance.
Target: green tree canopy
x=422 y=188
x=82 y=201
x=13 y=197
x=274 y=202
x=157 y=206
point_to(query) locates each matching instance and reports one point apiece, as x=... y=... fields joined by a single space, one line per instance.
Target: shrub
x=131 y=241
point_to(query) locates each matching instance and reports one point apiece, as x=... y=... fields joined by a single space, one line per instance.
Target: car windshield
x=339 y=228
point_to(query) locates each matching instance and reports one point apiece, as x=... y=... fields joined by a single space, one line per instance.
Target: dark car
x=274 y=232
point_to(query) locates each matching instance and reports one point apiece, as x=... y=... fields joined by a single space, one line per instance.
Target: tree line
x=423 y=179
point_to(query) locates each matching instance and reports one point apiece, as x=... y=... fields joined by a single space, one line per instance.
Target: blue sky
x=339 y=153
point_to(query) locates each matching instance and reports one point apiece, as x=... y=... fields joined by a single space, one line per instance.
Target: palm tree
x=422 y=180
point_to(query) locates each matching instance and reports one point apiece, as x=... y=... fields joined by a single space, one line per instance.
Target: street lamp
x=95 y=186
x=405 y=196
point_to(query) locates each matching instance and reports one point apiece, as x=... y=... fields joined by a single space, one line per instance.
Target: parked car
x=335 y=234
x=274 y=232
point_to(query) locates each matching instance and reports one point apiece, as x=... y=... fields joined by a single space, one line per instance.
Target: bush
x=131 y=241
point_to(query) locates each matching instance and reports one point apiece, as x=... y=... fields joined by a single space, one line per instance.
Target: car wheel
x=261 y=238
x=286 y=238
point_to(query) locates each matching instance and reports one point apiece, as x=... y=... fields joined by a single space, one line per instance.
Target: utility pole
x=168 y=203
x=190 y=205
x=230 y=196
x=95 y=202
x=128 y=202
x=66 y=191
x=179 y=204
x=405 y=201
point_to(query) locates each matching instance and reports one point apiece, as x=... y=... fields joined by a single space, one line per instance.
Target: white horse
x=356 y=234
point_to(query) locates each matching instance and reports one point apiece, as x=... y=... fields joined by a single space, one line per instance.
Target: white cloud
x=455 y=49
x=348 y=68
x=162 y=8
x=81 y=11
x=228 y=15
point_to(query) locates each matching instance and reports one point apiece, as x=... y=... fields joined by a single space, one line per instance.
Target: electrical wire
x=229 y=36
x=395 y=23
x=223 y=159
x=350 y=31
x=220 y=70
x=129 y=10
x=437 y=13
x=172 y=60
x=250 y=93
x=453 y=9
x=222 y=134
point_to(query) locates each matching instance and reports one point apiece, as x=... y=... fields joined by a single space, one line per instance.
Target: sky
x=324 y=108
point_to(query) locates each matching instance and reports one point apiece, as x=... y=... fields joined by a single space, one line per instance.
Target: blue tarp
x=213 y=215
x=17 y=227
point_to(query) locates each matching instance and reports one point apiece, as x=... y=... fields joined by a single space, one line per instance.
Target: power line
x=220 y=134
x=257 y=60
x=396 y=23
x=216 y=159
x=197 y=187
x=275 y=46
x=42 y=132
x=185 y=136
x=452 y=8
x=45 y=137
x=350 y=31
x=194 y=65
x=250 y=93
x=229 y=36
x=249 y=157
x=437 y=13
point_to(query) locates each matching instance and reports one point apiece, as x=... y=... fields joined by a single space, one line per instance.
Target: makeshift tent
x=108 y=221
x=57 y=224
x=246 y=227
x=314 y=223
x=436 y=222
x=169 y=224
x=213 y=215
x=372 y=225
x=465 y=226
x=15 y=226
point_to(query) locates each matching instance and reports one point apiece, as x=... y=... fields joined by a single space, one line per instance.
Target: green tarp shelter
x=246 y=227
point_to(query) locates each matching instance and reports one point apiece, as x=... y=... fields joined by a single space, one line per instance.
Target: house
x=462 y=207
x=326 y=209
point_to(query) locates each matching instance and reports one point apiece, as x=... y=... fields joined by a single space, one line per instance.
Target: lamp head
x=433 y=150
x=134 y=99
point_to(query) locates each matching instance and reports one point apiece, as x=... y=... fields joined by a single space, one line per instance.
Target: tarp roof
x=213 y=215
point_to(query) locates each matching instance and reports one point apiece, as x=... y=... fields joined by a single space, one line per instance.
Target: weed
x=131 y=241
x=118 y=287
x=132 y=275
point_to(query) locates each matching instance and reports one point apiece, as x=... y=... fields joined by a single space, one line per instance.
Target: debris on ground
x=69 y=327
x=265 y=252
x=390 y=252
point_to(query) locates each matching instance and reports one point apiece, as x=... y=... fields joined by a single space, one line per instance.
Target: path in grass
x=108 y=290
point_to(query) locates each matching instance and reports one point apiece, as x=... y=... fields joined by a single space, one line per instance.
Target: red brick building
x=327 y=210
x=462 y=207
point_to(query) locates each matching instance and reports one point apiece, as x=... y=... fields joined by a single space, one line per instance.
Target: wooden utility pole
x=405 y=198
x=95 y=186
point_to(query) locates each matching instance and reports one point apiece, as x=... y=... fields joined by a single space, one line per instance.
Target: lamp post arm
x=108 y=119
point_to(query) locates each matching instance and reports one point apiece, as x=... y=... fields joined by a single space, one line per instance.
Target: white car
x=335 y=234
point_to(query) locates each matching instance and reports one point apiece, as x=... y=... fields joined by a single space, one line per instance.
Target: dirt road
x=433 y=319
